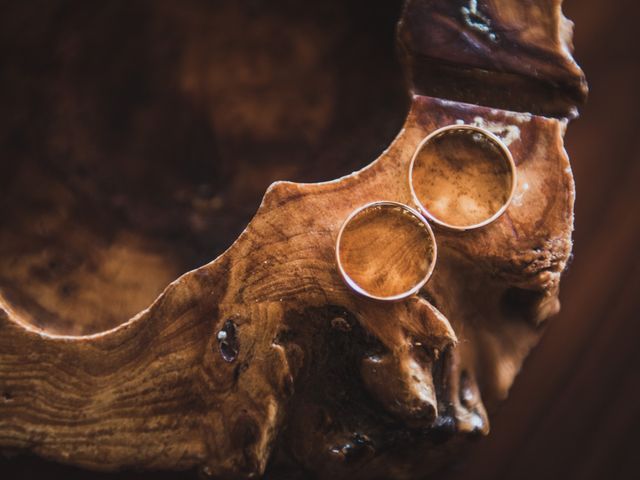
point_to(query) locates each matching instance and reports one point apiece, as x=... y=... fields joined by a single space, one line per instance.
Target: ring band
x=385 y=251
x=462 y=177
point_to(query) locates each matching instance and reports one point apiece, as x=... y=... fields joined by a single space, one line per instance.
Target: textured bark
x=264 y=355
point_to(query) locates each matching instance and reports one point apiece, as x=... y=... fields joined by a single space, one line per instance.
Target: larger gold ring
x=462 y=177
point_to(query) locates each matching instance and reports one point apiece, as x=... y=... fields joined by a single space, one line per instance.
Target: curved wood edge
x=156 y=392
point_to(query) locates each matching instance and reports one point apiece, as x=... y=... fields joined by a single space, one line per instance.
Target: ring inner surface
x=386 y=250
x=462 y=177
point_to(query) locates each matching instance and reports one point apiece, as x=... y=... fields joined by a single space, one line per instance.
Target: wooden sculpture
x=263 y=360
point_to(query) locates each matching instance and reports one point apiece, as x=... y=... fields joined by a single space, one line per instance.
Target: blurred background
x=81 y=84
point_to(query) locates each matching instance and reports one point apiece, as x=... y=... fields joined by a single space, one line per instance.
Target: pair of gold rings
x=461 y=177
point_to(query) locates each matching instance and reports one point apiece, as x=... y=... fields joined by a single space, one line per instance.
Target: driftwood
x=264 y=356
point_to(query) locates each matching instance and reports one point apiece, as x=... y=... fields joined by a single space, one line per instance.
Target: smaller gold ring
x=385 y=251
x=456 y=181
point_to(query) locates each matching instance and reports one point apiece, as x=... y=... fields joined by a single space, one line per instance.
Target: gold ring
x=385 y=251
x=462 y=177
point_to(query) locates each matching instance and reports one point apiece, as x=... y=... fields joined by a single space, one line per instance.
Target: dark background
x=574 y=411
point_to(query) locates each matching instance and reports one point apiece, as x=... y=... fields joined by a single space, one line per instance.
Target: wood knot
x=228 y=344
x=359 y=448
x=245 y=431
x=340 y=324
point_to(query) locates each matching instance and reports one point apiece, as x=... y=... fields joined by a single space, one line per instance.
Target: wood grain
x=167 y=359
